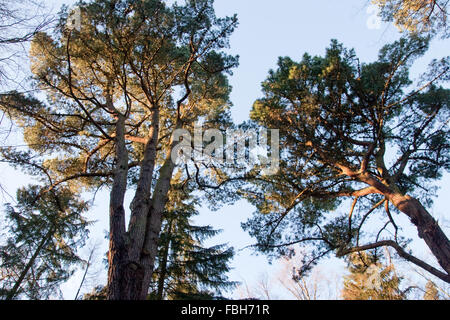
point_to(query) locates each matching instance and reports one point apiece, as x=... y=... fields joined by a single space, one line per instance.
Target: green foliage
x=116 y=89
x=186 y=269
x=44 y=233
x=416 y=16
x=342 y=121
x=137 y=71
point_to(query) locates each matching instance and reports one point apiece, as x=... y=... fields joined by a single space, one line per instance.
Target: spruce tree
x=186 y=269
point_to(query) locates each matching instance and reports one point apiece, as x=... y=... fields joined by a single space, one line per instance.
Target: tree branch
x=402 y=253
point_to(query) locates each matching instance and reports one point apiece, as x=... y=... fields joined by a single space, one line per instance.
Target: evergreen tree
x=43 y=235
x=117 y=89
x=416 y=16
x=369 y=279
x=186 y=268
x=356 y=135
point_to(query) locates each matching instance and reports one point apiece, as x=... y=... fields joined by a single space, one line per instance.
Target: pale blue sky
x=267 y=30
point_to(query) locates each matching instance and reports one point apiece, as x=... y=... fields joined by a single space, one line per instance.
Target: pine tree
x=340 y=123
x=117 y=88
x=369 y=279
x=416 y=16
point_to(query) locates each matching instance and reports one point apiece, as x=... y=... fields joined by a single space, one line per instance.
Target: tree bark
x=141 y=202
x=163 y=267
x=117 y=256
x=140 y=206
x=428 y=228
x=154 y=223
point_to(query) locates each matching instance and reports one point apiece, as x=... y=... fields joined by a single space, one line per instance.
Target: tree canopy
x=117 y=88
x=356 y=134
x=40 y=249
x=417 y=16
x=115 y=82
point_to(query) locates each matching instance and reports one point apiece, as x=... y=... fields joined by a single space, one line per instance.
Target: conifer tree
x=417 y=16
x=119 y=83
x=186 y=268
x=359 y=146
x=43 y=235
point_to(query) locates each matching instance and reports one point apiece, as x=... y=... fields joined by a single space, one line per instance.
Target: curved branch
x=402 y=253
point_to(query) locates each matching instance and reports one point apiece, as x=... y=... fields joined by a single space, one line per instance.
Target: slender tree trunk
x=154 y=223
x=88 y=265
x=163 y=267
x=12 y=294
x=428 y=228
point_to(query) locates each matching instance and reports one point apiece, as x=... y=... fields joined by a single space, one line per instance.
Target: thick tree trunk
x=133 y=271
x=140 y=205
x=132 y=255
x=117 y=255
x=428 y=228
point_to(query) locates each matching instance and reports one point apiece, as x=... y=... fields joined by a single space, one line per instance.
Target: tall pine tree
x=117 y=89
x=354 y=134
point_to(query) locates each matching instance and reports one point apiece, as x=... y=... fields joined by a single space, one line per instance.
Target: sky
x=269 y=29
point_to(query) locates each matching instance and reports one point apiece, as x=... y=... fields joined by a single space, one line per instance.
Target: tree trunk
x=140 y=205
x=154 y=223
x=163 y=267
x=133 y=272
x=117 y=255
x=428 y=228
x=11 y=295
